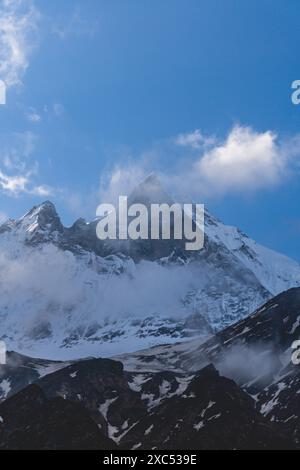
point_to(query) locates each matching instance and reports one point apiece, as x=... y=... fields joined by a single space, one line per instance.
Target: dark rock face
x=274 y=322
x=101 y=386
x=213 y=413
x=94 y=404
x=30 y=421
x=280 y=401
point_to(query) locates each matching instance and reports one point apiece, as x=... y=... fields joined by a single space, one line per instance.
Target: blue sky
x=102 y=92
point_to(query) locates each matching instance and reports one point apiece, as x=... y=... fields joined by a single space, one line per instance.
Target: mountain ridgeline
x=68 y=294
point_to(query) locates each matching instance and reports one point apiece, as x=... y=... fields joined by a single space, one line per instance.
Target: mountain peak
x=152 y=179
x=41 y=217
x=47 y=205
x=150 y=191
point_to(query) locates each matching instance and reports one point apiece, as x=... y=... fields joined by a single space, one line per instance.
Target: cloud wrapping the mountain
x=50 y=285
x=246 y=363
x=120 y=181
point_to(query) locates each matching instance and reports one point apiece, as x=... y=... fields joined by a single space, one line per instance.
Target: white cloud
x=52 y=286
x=42 y=190
x=247 y=160
x=13 y=184
x=33 y=116
x=18 y=170
x=120 y=181
x=194 y=140
x=18 y=26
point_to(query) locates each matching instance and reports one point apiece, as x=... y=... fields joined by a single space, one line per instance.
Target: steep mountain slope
x=212 y=413
x=279 y=402
x=274 y=271
x=65 y=293
x=94 y=404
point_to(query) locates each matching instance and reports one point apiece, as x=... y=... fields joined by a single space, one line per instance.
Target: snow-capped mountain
x=65 y=293
x=275 y=272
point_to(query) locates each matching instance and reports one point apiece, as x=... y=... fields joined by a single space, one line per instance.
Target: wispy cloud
x=33 y=116
x=75 y=25
x=195 y=140
x=58 y=109
x=18 y=168
x=16 y=150
x=45 y=113
x=120 y=181
x=42 y=190
x=13 y=184
x=18 y=28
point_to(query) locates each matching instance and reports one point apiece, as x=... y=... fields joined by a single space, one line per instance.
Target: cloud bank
x=47 y=285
